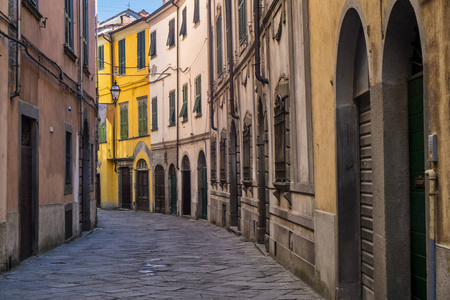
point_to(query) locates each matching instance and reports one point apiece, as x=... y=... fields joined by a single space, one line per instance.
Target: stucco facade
x=48 y=112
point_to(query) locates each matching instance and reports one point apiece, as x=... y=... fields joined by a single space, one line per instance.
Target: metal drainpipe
x=211 y=69
x=230 y=58
x=16 y=93
x=178 y=86
x=80 y=65
x=261 y=79
x=432 y=242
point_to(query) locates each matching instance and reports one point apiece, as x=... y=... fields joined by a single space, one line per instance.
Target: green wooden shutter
x=101 y=57
x=196 y=11
x=155 y=113
x=242 y=20
x=153 y=44
x=198 y=95
x=141 y=49
x=219 y=44
x=172 y=108
x=122 y=63
x=183 y=29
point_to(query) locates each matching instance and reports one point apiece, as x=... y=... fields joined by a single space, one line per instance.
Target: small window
x=222 y=162
x=153 y=44
x=171 y=37
x=219 y=45
x=142 y=114
x=183 y=29
x=68 y=167
x=280 y=139
x=198 y=95
x=184 y=108
x=213 y=161
x=68 y=18
x=242 y=20
x=102 y=132
x=124 y=121
x=172 y=108
x=85 y=33
x=196 y=11
x=122 y=63
x=154 y=113
x=246 y=145
x=141 y=50
x=101 y=57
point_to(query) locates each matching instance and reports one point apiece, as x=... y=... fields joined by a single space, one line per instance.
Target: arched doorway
x=85 y=181
x=160 y=188
x=186 y=186
x=262 y=173
x=202 y=186
x=354 y=162
x=403 y=102
x=142 y=186
x=173 y=189
x=234 y=209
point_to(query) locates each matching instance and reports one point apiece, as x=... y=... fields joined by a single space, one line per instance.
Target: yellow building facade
x=124 y=131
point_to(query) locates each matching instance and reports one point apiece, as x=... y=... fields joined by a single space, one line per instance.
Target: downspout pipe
x=230 y=59
x=178 y=86
x=432 y=242
x=16 y=93
x=256 y=18
x=211 y=70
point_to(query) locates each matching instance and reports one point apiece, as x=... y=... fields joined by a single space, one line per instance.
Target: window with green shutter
x=101 y=57
x=172 y=108
x=102 y=132
x=198 y=96
x=68 y=23
x=242 y=21
x=85 y=33
x=141 y=49
x=183 y=29
x=122 y=65
x=153 y=44
x=184 y=108
x=124 y=121
x=196 y=11
x=171 y=36
x=219 y=44
x=154 y=113
x=142 y=116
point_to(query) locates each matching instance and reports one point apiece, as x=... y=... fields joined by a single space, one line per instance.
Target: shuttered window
x=102 y=132
x=153 y=44
x=213 y=161
x=142 y=116
x=85 y=33
x=124 y=121
x=154 y=113
x=171 y=36
x=198 y=95
x=242 y=20
x=184 y=108
x=68 y=180
x=280 y=139
x=172 y=108
x=68 y=24
x=246 y=138
x=122 y=63
x=222 y=160
x=101 y=57
x=141 y=50
x=219 y=44
x=183 y=29
x=196 y=11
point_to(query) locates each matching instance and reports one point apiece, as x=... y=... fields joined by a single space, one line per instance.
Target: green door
x=417 y=190
x=204 y=195
x=173 y=195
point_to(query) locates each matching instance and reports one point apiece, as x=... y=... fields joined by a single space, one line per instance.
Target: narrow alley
x=136 y=255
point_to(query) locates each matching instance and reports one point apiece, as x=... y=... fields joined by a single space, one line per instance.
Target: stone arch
x=405 y=114
x=352 y=99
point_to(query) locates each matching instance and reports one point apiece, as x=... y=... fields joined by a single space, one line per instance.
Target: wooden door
x=186 y=192
x=173 y=194
x=26 y=202
x=160 y=195
x=126 y=188
x=204 y=193
x=417 y=191
x=142 y=191
x=98 y=194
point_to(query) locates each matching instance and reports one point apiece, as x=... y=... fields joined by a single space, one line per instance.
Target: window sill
x=86 y=70
x=33 y=10
x=282 y=185
x=102 y=142
x=153 y=56
x=68 y=189
x=154 y=129
x=172 y=125
x=69 y=52
x=198 y=115
x=247 y=182
x=171 y=46
x=123 y=139
x=184 y=121
x=196 y=24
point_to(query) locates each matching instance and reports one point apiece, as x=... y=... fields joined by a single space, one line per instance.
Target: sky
x=109 y=8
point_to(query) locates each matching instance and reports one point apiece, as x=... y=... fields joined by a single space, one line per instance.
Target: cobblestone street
x=151 y=256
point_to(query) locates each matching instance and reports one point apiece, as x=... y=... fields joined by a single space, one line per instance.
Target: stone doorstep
x=234 y=229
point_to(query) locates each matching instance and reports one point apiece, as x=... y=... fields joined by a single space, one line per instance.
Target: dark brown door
x=186 y=183
x=160 y=195
x=98 y=194
x=126 y=199
x=142 y=190
x=26 y=201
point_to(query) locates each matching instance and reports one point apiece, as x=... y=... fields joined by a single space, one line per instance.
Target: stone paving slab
x=136 y=255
